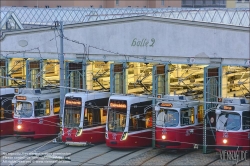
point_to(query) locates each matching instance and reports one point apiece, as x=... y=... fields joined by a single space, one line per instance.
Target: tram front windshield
x=117 y=120
x=167 y=118
x=229 y=121
x=23 y=109
x=72 y=112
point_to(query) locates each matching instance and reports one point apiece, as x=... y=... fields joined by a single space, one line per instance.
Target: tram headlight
x=224 y=141
x=78 y=132
x=163 y=137
x=124 y=136
x=19 y=127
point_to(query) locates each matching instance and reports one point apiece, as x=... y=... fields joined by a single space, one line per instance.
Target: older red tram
x=84 y=118
x=129 y=122
x=179 y=122
x=6 y=111
x=36 y=112
x=233 y=125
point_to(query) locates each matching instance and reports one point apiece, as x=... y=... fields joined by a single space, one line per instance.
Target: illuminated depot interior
x=183 y=77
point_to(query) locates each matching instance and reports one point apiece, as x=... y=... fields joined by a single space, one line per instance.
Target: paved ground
x=103 y=155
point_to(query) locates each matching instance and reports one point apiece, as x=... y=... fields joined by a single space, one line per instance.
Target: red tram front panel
x=37 y=127
x=36 y=112
x=129 y=123
x=84 y=118
x=233 y=125
x=178 y=138
x=232 y=141
x=88 y=135
x=133 y=140
x=178 y=122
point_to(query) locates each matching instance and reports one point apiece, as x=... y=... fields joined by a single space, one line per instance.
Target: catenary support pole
x=61 y=69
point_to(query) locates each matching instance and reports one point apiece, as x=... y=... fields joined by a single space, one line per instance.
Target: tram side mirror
x=218 y=112
x=157 y=108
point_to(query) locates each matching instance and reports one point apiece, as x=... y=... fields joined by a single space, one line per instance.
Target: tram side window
x=2 y=113
x=187 y=116
x=149 y=119
x=92 y=117
x=246 y=120
x=103 y=115
x=42 y=108
x=138 y=120
x=56 y=105
x=200 y=114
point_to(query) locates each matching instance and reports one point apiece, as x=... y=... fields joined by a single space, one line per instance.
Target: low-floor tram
x=129 y=123
x=84 y=118
x=179 y=122
x=36 y=112
x=233 y=125
x=6 y=111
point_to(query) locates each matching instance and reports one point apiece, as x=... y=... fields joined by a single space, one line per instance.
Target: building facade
x=237 y=4
x=204 y=3
x=94 y=4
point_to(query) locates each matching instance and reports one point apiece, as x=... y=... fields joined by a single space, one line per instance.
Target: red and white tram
x=233 y=125
x=6 y=108
x=179 y=122
x=129 y=123
x=84 y=117
x=36 y=112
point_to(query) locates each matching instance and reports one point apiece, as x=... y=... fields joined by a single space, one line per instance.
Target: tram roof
x=89 y=95
x=37 y=17
x=131 y=98
x=5 y=91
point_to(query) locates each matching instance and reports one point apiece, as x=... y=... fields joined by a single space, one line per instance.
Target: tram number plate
x=114 y=136
x=225 y=135
x=40 y=121
x=113 y=142
x=19 y=121
x=164 y=131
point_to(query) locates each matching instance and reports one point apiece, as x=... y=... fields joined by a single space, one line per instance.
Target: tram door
x=212 y=90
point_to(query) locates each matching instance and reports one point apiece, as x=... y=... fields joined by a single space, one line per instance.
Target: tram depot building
x=200 y=52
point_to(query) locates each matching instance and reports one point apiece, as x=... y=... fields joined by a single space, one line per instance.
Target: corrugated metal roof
x=47 y=16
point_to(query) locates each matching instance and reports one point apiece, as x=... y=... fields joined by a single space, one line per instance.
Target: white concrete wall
x=173 y=38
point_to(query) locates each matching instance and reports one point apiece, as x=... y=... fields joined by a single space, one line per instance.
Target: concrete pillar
x=89 y=76
x=136 y=71
x=179 y=70
x=224 y=81
x=125 y=78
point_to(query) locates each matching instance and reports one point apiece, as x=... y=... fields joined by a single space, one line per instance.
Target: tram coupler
x=58 y=157
x=77 y=143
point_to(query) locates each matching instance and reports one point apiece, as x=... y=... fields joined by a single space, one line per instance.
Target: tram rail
x=10 y=143
x=109 y=163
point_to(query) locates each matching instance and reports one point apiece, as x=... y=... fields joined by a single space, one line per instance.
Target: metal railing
x=47 y=16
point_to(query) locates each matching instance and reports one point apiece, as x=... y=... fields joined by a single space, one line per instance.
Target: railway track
x=90 y=146
x=109 y=163
x=181 y=155
x=94 y=157
x=219 y=161
x=4 y=153
x=164 y=154
x=3 y=145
